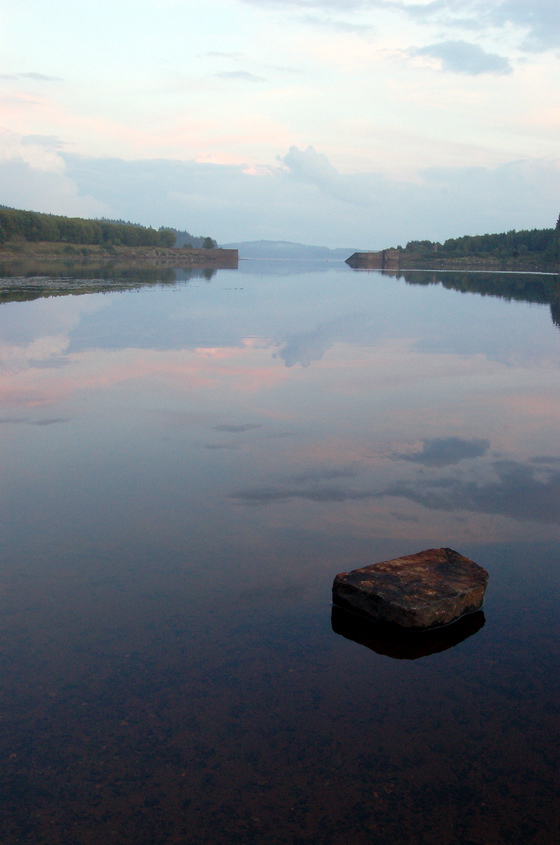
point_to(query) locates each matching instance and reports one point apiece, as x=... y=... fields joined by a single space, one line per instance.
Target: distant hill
x=287 y=249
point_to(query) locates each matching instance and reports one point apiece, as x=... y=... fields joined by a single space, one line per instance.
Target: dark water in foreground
x=185 y=468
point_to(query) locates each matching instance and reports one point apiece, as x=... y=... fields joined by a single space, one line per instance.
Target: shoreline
x=47 y=253
x=397 y=260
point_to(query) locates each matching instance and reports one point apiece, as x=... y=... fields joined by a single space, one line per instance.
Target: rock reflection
x=401 y=644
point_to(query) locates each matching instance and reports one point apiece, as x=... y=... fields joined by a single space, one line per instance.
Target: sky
x=359 y=123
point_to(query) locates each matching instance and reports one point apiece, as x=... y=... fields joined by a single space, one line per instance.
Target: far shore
x=400 y=260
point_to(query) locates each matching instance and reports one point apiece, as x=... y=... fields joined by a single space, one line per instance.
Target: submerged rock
x=430 y=588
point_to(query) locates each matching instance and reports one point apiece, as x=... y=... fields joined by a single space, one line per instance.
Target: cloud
x=462 y=57
x=309 y=165
x=540 y=18
x=36 y=189
x=239 y=76
x=40 y=77
x=37 y=77
x=478 y=192
x=549 y=460
x=273 y=495
x=237 y=429
x=41 y=422
x=33 y=176
x=304 y=199
x=538 y=21
x=323 y=474
x=216 y=54
x=337 y=25
x=48 y=142
x=51 y=421
x=314 y=168
x=444 y=451
x=315 y=4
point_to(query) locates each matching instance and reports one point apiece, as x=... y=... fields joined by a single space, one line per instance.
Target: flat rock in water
x=423 y=590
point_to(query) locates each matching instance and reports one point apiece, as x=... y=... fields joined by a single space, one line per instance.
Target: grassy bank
x=17 y=251
x=482 y=262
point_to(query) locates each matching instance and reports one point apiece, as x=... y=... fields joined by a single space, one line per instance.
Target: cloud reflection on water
x=442 y=451
x=389 y=434
x=518 y=490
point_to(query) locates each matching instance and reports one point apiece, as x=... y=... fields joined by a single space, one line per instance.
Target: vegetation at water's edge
x=542 y=245
x=33 y=226
x=182 y=237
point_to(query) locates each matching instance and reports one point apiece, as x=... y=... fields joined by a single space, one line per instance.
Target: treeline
x=188 y=241
x=539 y=243
x=34 y=226
x=182 y=237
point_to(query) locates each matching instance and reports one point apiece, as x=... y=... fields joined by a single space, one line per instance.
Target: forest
x=542 y=244
x=35 y=226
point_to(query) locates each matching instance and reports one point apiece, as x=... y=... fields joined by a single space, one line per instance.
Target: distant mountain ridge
x=287 y=249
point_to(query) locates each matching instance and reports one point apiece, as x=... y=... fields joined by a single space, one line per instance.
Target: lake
x=186 y=465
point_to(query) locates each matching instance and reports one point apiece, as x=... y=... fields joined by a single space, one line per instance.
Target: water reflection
x=392 y=411
x=185 y=467
x=35 y=282
x=402 y=644
x=522 y=287
x=521 y=490
x=444 y=451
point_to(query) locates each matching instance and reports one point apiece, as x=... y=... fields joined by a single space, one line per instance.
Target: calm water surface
x=185 y=467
